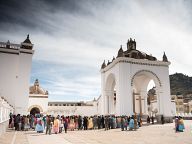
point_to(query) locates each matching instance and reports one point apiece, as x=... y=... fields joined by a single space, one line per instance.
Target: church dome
x=36 y=89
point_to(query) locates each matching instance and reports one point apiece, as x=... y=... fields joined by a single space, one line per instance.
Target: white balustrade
x=5 y=110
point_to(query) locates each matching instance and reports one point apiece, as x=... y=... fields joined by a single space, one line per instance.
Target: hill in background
x=181 y=84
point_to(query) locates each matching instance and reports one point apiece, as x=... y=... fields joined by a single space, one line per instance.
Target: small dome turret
x=27 y=40
x=27 y=44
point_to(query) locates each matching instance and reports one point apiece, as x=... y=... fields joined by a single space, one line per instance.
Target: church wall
x=9 y=76
x=21 y=101
x=15 y=67
x=73 y=110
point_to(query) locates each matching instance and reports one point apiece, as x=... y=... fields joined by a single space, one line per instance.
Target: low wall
x=3 y=126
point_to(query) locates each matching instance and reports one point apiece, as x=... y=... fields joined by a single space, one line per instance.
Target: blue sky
x=72 y=38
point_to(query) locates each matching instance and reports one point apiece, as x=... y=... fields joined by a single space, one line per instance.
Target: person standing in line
x=102 y=122
x=126 y=123
x=60 y=125
x=148 y=120
x=152 y=119
x=135 y=122
x=106 y=123
x=181 y=126
x=131 y=123
x=72 y=123
x=39 y=126
x=79 y=123
x=48 y=124
x=44 y=121
x=56 y=125
x=85 y=122
x=122 y=123
x=26 y=123
x=99 y=122
x=90 y=123
x=65 y=124
x=162 y=119
x=176 y=124
x=94 y=122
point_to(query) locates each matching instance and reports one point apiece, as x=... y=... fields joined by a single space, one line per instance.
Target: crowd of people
x=51 y=124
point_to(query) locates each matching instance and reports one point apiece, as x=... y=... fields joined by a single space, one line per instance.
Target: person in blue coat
x=181 y=126
x=131 y=123
x=39 y=126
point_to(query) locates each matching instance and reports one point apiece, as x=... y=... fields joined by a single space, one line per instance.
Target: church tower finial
x=120 y=52
x=103 y=65
x=165 y=57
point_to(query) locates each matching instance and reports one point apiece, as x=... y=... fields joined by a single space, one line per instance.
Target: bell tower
x=131 y=44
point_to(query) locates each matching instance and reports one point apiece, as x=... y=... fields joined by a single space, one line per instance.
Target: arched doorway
x=141 y=83
x=35 y=111
x=110 y=95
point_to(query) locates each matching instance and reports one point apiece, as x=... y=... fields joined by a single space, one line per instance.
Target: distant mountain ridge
x=180 y=84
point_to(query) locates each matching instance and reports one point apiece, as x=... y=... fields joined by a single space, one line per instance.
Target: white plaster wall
x=99 y=106
x=72 y=110
x=8 y=76
x=14 y=79
x=21 y=101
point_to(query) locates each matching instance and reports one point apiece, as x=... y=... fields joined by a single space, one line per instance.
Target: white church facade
x=15 y=69
x=15 y=64
x=124 y=83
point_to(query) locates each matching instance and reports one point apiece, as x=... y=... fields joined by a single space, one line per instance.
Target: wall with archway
x=126 y=72
x=139 y=83
x=39 y=101
x=35 y=106
x=110 y=105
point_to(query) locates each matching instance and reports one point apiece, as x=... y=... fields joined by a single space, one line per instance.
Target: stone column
x=159 y=100
x=124 y=91
x=143 y=94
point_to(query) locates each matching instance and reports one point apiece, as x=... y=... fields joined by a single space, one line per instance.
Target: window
x=79 y=104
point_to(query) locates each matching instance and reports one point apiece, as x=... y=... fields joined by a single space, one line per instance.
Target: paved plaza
x=153 y=134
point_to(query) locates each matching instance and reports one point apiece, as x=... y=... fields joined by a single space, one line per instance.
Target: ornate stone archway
x=139 y=83
x=35 y=106
x=148 y=71
x=133 y=73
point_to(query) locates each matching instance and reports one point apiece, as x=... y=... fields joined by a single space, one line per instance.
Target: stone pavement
x=153 y=134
